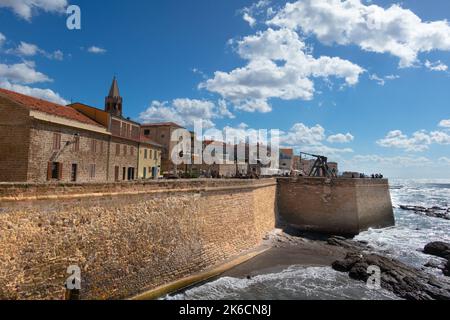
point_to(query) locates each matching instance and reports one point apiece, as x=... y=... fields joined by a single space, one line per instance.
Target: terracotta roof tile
x=47 y=107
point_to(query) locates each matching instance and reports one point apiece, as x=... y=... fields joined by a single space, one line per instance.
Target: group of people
x=373 y=176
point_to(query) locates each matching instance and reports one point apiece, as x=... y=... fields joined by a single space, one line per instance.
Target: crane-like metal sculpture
x=320 y=167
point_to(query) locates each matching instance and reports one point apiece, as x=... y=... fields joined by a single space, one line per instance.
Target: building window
x=76 y=144
x=132 y=151
x=102 y=147
x=124 y=150
x=151 y=154
x=146 y=132
x=93 y=146
x=116 y=173
x=92 y=171
x=128 y=131
x=130 y=173
x=145 y=154
x=156 y=155
x=56 y=141
x=74 y=172
x=117 y=149
x=145 y=173
x=124 y=173
x=54 y=171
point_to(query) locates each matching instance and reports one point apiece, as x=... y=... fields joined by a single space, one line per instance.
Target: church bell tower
x=113 y=102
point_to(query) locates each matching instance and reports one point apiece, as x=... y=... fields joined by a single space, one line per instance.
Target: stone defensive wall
x=126 y=238
x=133 y=238
x=335 y=206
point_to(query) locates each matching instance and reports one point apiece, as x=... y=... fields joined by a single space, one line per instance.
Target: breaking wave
x=294 y=283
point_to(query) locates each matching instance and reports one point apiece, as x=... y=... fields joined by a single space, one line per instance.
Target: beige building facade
x=149 y=160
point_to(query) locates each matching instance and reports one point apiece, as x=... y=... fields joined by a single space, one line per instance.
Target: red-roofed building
x=43 y=141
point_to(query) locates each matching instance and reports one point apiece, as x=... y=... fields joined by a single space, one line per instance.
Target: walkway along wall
x=126 y=238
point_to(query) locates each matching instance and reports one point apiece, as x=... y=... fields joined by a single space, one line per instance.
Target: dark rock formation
x=447 y=269
x=435 y=212
x=404 y=281
x=438 y=249
x=442 y=250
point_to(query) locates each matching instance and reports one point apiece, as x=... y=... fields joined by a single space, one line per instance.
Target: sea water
x=404 y=242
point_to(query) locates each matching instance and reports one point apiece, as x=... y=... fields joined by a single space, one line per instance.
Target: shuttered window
x=54 y=171
x=92 y=171
x=56 y=141
x=76 y=144
x=93 y=146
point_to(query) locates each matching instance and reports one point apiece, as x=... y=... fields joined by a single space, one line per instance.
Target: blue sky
x=370 y=91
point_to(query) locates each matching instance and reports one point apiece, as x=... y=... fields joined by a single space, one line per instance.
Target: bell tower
x=113 y=102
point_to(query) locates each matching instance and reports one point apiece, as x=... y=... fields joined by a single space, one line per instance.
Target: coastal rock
x=447 y=269
x=434 y=212
x=438 y=249
x=404 y=281
x=435 y=265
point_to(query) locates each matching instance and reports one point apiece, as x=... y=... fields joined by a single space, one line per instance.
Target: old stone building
x=125 y=135
x=161 y=133
x=42 y=141
x=287 y=159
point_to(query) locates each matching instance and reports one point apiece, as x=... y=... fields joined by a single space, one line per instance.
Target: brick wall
x=14 y=141
x=42 y=152
x=128 y=160
x=126 y=237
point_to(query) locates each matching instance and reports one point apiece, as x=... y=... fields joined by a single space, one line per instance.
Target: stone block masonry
x=132 y=237
x=126 y=237
x=335 y=206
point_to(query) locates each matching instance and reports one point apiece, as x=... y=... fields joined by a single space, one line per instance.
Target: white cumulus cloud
x=382 y=80
x=45 y=94
x=279 y=67
x=24 y=73
x=394 y=30
x=186 y=112
x=27 y=8
x=436 y=66
x=2 y=39
x=445 y=123
x=25 y=49
x=311 y=140
x=341 y=138
x=96 y=50
x=419 y=141
x=250 y=14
